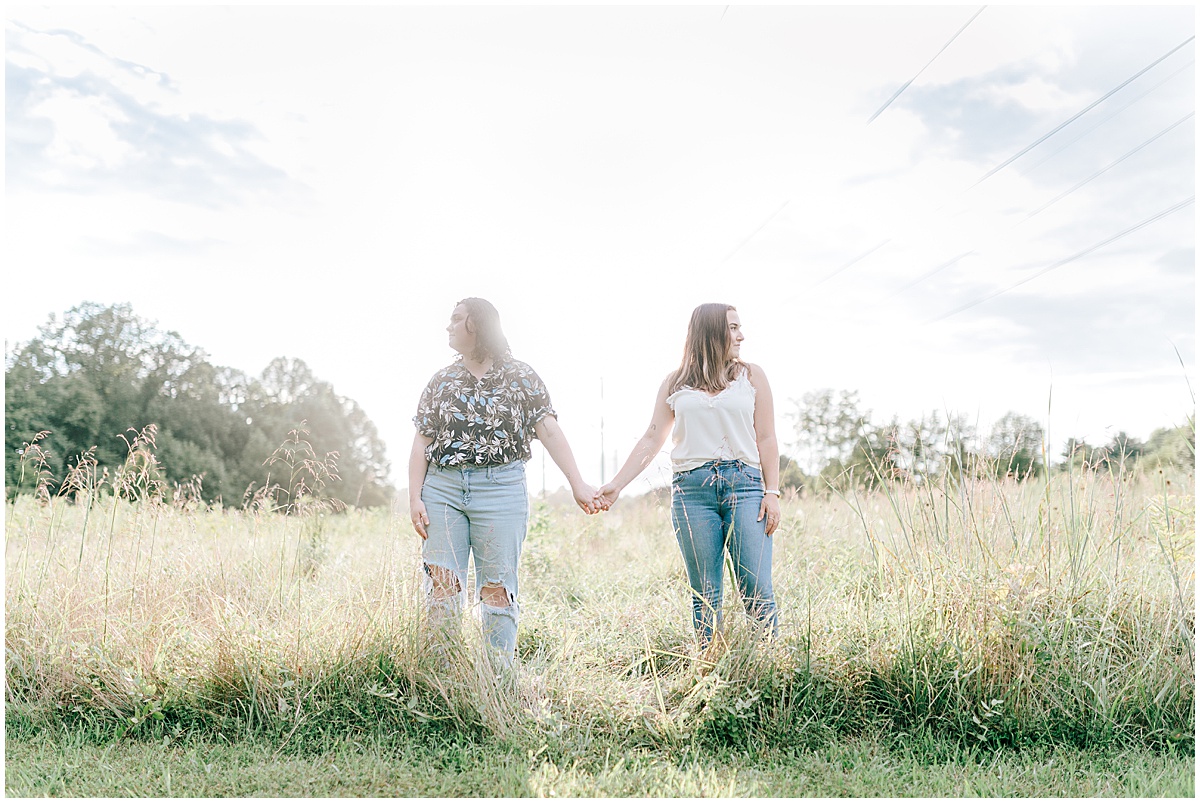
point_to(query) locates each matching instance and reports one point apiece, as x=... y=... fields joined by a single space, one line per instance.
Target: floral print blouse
x=482 y=422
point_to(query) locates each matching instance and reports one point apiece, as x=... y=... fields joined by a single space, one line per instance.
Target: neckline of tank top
x=742 y=377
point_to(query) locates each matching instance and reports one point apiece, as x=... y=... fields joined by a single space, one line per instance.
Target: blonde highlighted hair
x=707 y=364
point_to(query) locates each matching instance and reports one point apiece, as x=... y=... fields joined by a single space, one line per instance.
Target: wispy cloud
x=982 y=119
x=92 y=130
x=1096 y=328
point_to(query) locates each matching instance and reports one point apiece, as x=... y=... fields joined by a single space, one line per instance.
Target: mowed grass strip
x=61 y=765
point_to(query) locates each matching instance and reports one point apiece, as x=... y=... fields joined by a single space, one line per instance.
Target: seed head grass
x=990 y=612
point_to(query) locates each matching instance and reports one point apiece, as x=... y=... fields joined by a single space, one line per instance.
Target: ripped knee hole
x=445 y=582
x=494 y=594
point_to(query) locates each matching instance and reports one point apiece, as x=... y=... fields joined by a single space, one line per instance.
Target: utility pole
x=602 y=478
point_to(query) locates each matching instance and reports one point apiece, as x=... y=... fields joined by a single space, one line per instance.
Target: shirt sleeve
x=425 y=417
x=535 y=402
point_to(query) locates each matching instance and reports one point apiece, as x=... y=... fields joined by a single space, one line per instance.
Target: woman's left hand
x=770 y=511
x=585 y=497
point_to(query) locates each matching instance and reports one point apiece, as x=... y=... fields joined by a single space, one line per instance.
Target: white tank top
x=717 y=427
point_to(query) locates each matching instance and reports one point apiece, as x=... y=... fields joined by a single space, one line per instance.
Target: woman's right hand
x=420 y=518
x=606 y=496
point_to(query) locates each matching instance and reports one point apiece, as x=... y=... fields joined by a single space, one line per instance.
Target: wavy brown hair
x=484 y=321
x=706 y=363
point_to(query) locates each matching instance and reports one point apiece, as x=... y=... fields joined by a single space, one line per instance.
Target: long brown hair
x=484 y=321
x=706 y=363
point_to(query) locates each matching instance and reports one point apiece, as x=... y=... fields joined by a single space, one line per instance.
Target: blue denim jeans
x=482 y=512
x=714 y=510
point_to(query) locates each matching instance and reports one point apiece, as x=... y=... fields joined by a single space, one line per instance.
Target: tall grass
x=991 y=612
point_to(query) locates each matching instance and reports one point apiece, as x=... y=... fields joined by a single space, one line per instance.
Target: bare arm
x=644 y=451
x=768 y=445
x=417 y=465
x=555 y=442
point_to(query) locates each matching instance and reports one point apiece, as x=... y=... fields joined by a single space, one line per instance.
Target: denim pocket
x=747 y=480
x=509 y=476
x=689 y=477
x=752 y=472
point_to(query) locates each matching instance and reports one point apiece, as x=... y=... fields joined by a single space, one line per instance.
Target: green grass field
x=980 y=638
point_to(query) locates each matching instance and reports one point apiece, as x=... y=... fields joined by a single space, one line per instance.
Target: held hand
x=770 y=511
x=420 y=518
x=607 y=495
x=585 y=497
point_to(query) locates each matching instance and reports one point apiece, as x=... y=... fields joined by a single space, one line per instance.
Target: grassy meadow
x=982 y=637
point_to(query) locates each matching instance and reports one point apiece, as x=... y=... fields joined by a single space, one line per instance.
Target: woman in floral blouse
x=467 y=489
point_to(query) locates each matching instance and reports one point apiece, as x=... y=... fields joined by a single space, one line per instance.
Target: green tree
x=1122 y=451
x=827 y=427
x=102 y=371
x=873 y=459
x=1015 y=446
x=201 y=432
x=791 y=477
x=1172 y=446
x=290 y=394
x=26 y=406
x=88 y=379
x=931 y=446
x=1079 y=455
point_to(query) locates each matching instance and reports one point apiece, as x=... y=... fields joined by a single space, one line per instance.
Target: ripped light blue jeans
x=714 y=510
x=482 y=511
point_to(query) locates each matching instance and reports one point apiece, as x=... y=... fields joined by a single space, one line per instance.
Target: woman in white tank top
x=725 y=468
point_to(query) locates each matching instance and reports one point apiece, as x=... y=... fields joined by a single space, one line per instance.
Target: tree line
x=102 y=386
x=102 y=383
x=838 y=445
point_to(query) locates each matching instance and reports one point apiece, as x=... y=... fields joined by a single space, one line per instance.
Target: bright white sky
x=325 y=183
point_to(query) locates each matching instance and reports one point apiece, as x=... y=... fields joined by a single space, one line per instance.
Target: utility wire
x=1078 y=186
x=854 y=261
x=1071 y=142
x=958 y=258
x=1045 y=206
x=1104 y=170
x=931 y=61
x=1084 y=111
x=1069 y=259
x=931 y=273
x=756 y=231
x=1051 y=155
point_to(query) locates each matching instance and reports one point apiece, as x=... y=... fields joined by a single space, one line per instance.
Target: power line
x=1071 y=142
x=1079 y=114
x=1104 y=170
x=931 y=61
x=756 y=231
x=854 y=261
x=1069 y=259
x=1139 y=97
x=1047 y=205
x=931 y=273
x=958 y=258
x=602 y=479
x=1051 y=154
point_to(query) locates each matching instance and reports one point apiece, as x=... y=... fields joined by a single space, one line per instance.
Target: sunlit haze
x=325 y=183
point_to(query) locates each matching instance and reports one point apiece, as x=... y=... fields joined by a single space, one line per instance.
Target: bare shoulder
x=662 y=403
x=757 y=376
